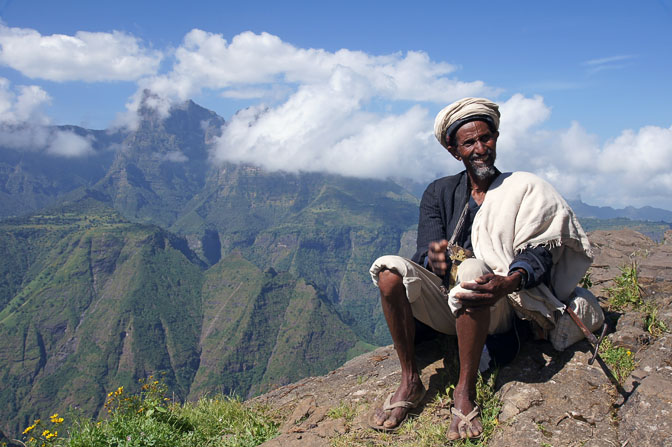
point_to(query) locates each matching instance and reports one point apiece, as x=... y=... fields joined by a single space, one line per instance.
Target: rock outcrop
x=548 y=398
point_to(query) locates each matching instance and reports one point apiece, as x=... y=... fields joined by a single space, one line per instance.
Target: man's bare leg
x=399 y=317
x=472 y=330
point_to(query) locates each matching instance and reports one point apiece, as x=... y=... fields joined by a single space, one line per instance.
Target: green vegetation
x=652 y=323
x=619 y=359
x=149 y=418
x=345 y=410
x=626 y=291
x=627 y=294
x=96 y=300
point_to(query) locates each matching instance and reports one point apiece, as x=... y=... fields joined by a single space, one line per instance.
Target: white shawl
x=521 y=210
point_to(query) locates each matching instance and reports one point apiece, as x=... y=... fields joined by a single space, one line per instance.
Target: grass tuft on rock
x=627 y=294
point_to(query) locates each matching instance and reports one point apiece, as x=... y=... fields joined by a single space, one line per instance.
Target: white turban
x=459 y=111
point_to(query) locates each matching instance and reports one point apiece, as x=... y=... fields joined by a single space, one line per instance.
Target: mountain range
x=147 y=257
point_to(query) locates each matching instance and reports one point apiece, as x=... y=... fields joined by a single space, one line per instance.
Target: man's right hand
x=437 y=257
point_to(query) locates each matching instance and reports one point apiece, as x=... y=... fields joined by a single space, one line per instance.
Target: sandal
x=465 y=422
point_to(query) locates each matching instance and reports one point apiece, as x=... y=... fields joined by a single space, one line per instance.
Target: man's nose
x=480 y=147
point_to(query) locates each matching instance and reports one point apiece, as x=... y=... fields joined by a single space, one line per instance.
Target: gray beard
x=485 y=172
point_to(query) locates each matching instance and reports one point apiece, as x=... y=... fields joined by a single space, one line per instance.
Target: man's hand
x=437 y=257
x=488 y=289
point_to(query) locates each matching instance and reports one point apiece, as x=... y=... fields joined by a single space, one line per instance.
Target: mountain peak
x=154 y=109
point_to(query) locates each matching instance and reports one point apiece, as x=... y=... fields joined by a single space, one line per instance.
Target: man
x=530 y=252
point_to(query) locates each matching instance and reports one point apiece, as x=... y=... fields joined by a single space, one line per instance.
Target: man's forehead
x=473 y=128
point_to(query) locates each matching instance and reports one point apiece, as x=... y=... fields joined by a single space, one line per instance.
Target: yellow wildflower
x=52 y=435
x=29 y=429
x=45 y=433
x=55 y=419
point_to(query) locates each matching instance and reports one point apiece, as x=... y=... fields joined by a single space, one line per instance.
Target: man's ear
x=453 y=152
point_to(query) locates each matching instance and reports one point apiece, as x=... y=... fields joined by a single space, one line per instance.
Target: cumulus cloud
x=22 y=103
x=23 y=124
x=86 y=56
x=263 y=67
x=631 y=169
x=320 y=129
x=207 y=60
x=325 y=127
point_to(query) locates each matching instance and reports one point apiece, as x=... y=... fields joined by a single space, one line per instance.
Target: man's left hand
x=488 y=289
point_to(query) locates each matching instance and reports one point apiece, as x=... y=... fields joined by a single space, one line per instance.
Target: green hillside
x=92 y=301
x=225 y=277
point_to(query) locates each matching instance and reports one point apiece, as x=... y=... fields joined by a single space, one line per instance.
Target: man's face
x=476 y=145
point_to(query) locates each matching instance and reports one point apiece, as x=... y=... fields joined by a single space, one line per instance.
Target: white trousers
x=429 y=304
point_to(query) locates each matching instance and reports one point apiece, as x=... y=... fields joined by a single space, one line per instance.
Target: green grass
x=150 y=419
x=652 y=323
x=619 y=359
x=345 y=410
x=626 y=293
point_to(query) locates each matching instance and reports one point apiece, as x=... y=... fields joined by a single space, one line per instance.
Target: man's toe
x=380 y=417
x=391 y=422
x=474 y=430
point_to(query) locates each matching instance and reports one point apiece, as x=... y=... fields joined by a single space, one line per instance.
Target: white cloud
x=69 y=144
x=207 y=60
x=631 y=169
x=320 y=129
x=24 y=137
x=23 y=125
x=22 y=104
x=86 y=56
x=324 y=127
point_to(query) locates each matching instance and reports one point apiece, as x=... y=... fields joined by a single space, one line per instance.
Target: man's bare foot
x=464 y=405
x=411 y=392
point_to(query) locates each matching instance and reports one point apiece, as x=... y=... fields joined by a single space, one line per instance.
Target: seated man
x=530 y=253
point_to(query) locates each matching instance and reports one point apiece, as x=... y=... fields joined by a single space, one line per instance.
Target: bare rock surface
x=548 y=398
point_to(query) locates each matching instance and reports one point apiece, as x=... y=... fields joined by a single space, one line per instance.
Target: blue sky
x=587 y=82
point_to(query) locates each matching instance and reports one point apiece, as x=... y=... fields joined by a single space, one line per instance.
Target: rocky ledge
x=548 y=398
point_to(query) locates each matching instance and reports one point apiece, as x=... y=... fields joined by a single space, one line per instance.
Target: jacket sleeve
x=431 y=225
x=537 y=263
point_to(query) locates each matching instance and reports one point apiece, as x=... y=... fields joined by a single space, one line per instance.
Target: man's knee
x=389 y=282
x=471 y=269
